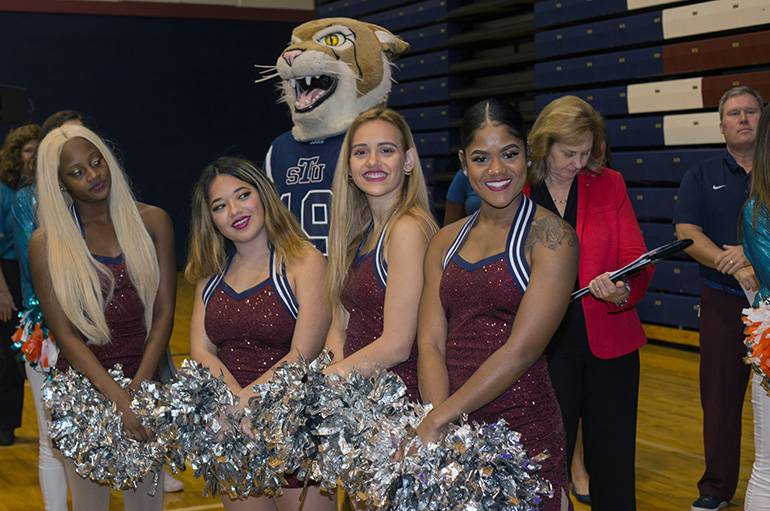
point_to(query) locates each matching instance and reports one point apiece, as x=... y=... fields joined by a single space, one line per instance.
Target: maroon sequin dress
x=363 y=296
x=252 y=329
x=480 y=301
x=125 y=319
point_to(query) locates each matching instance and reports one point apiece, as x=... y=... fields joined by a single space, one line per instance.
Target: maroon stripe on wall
x=158 y=10
x=717 y=53
x=715 y=86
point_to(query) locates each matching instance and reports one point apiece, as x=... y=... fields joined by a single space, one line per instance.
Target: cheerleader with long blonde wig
x=104 y=270
x=380 y=228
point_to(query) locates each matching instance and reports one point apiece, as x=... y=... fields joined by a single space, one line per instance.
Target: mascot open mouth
x=312 y=90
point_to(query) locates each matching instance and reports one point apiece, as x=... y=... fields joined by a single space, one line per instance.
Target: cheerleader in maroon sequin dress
x=379 y=232
x=252 y=329
x=481 y=301
x=261 y=305
x=125 y=319
x=496 y=286
x=114 y=307
x=364 y=298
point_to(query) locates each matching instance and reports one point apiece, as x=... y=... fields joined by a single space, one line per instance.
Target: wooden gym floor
x=669 y=454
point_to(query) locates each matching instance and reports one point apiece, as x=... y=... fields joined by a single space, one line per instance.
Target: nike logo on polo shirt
x=717 y=187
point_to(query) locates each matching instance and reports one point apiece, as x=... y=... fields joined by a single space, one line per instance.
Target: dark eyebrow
x=235 y=192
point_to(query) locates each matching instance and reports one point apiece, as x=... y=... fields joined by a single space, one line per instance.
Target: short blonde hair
x=567 y=120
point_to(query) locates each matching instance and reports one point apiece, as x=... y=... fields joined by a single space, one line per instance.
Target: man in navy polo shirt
x=711 y=197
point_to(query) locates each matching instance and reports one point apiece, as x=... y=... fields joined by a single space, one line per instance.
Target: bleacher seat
x=677 y=276
x=659 y=167
x=653 y=204
x=669 y=309
x=428 y=38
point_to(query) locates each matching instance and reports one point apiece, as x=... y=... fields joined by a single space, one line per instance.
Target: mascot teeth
x=311 y=90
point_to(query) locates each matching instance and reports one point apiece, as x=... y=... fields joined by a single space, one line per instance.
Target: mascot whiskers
x=333 y=69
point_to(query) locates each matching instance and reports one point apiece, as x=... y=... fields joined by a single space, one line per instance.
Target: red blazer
x=609 y=238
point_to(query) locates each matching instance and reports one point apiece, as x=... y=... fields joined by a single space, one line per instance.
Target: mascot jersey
x=303 y=174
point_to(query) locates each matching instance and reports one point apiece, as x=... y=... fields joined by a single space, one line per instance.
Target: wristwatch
x=628 y=288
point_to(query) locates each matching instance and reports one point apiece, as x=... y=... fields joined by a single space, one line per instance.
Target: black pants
x=605 y=394
x=12 y=377
x=723 y=380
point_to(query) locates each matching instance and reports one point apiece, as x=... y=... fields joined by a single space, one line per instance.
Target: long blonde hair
x=82 y=284
x=208 y=248
x=351 y=215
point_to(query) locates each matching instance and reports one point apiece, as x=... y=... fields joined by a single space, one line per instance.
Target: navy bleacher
x=657 y=234
x=425 y=65
x=615 y=33
x=674 y=276
x=557 y=12
x=428 y=38
x=436 y=143
x=669 y=309
x=412 y=15
x=429 y=117
x=653 y=204
x=636 y=132
x=607 y=100
x=355 y=8
x=432 y=90
x=607 y=67
x=659 y=167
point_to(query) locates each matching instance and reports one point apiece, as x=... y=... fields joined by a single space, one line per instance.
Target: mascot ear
x=392 y=46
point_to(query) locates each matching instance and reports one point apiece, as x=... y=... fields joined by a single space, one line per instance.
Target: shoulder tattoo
x=551 y=232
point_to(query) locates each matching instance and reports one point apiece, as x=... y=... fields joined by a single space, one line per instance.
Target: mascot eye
x=334 y=39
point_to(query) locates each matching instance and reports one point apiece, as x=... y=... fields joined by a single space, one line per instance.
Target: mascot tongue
x=312 y=91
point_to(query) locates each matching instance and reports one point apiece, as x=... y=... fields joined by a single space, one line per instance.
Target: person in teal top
x=15 y=154
x=24 y=224
x=755 y=228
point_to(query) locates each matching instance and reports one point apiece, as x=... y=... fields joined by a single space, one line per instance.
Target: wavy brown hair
x=11 y=166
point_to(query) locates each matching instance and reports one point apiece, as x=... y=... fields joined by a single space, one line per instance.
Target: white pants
x=758 y=490
x=89 y=496
x=53 y=482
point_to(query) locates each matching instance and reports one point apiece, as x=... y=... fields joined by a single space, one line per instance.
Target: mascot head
x=334 y=69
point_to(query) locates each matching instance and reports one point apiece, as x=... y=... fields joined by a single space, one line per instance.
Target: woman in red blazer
x=593 y=357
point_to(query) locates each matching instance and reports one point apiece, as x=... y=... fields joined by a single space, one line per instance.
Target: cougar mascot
x=334 y=69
